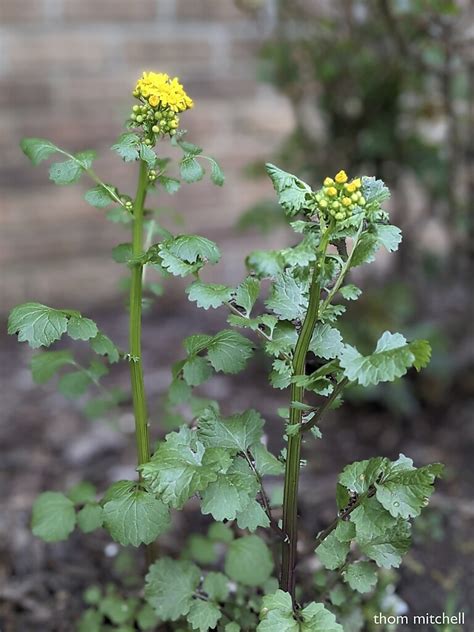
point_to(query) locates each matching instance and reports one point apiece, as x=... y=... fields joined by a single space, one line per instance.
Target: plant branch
x=264 y=497
x=325 y=406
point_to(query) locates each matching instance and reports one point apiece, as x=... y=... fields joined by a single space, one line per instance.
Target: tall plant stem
x=292 y=471
x=135 y=332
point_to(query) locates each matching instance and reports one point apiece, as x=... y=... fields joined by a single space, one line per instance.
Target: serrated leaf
x=203 y=615
x=288 y=297
x=37 y=149
x=228 y=351
x=217 y=175
x=197 y=370
x=90 y=518
x=249 y=561
x=192 y=248
x=136 y=517
x=293 y=194
x=326 y=342
x=388 y=549
x=252 y=517
x=74 y=384
x=148 y=155
x=181 y=466
x=69 y=171
x=364 y=251
x=102 y=345
x=238 y=432
x=230 y=493
x=359 y=476
x=361 y=576
x=345 y=531
x=207 y=295
x=80 y=328
x=216 y=585
x=332 y=552
x=37 y=324
x=170 y=587
x=277 y=614
x=392 y=357
x=170 y=185
x=404 y=493
x=388 y=236
x=350 y=292
x=190 y=169
x=371 y=520
x=374 y=190
x=266 y=463
x=46 y=364
x=99 y=197
x=127 y=147
x=247 y=293
x=53 y=517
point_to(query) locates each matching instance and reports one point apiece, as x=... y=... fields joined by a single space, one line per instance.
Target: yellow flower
x=328 y=182
x=163 y=92
x=341 y=177
x=346 y=201
x=350 y=187
x=357 y=182
x=331 y=191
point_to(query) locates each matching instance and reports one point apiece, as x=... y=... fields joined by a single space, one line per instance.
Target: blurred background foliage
x=387 y=88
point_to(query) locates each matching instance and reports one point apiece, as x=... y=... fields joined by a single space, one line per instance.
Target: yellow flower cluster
x=338 y=198
x=162 y=98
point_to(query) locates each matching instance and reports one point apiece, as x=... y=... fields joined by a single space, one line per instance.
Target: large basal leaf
x=170 y=587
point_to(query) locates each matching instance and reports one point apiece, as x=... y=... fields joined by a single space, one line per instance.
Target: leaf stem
x=325 y=406
x=292 y=471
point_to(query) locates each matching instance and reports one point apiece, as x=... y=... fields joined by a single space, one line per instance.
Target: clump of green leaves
x=290 y=303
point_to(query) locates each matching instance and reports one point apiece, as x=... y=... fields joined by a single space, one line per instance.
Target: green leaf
x=371 y=520
x=350 y=292
x=53 y=517
x=80 y=328
x=228 y=351
x=361 y=576
x=127 y=147
x=99 y=197
x=196 y=370
x=147 y=619
x=46 y=364
x=359 y=476
x=277 y=615
x=388 y=236
x=247 y=293
x=190 y=169
x=249 y=561
x=388 y=548
x=230 y=493
x=37 y=149
x=200 y=549
x=374 y=190
x=265 y=263
x=82 y=492
x=90 y=518
x=122 y=253
x=70 y=171
x=238 y=432
x=288 y=297
x=118 y=610
x=294 y=195
x=326 y=342
x=252 y=517
x=332 y=552
x=203 y=615
x=217 y=175
x=170 y=586
x=102 y=345
x=74 y=384
x=364 y=251
x=209 y=294
x=216 y=585
x=37 y=324
x=266 y=463
x=181 y=466
x=148 y=155
x=345 y=531
x=392 y=358
x=90 y=621
x=192 y=248
x=404 y=493
x=135 y=517
x=170 y=185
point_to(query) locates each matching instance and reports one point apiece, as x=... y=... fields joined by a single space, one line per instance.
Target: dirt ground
x=46 y=443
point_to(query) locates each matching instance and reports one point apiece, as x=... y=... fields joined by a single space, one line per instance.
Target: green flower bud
x=136 y=108
x=139 y=118
x=155 y=129
x=340 y=215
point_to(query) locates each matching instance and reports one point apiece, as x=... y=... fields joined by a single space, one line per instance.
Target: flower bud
x=346 y=201
x=341 y=177
x=328 y=182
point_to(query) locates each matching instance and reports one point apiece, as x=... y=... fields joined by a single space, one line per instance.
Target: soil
x=46 y=443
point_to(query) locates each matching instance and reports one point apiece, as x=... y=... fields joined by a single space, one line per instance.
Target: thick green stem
x=292 y=471
x=136 y=368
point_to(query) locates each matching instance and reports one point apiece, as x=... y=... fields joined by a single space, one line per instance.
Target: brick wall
x=66 y=71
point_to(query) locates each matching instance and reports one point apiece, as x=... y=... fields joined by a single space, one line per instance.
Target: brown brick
x=110 y=10
x=173 y=56
x=208 y=10
x=19 y=11
x=40 y=54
